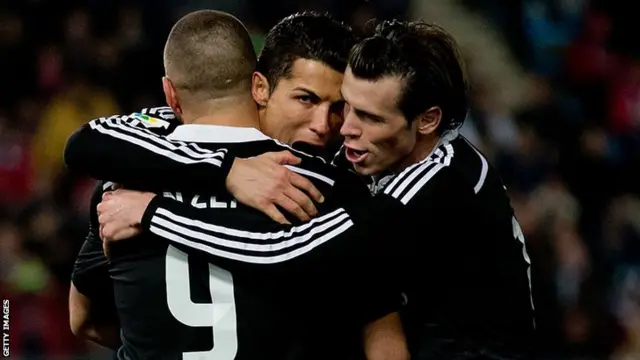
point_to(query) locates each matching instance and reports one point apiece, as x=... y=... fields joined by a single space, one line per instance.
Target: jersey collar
x=380 y=181
x=446 y=137
x=216 y=134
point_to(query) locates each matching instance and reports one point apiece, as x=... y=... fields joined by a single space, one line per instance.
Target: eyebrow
x=308 y=91
x=362 y=113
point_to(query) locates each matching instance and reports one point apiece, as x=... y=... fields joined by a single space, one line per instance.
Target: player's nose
x=320 y=123
x=350 y=128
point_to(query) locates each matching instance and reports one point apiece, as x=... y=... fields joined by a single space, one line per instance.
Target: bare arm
x=85 y=324
x=384 y=339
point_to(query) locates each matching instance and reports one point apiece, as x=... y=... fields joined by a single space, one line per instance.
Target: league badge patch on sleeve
x=151 y=122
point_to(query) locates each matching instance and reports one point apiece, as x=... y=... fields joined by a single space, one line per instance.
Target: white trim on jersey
x=131 y=122
x=227 y=134
x=311 y=174
x=483 y=172
x=400 y=176
x=337 y=155
x=167 y=152
x=191 y=150
x=216 y=134
x=295 y=151
x=423 y=171
x=163 y=112
x=409 y=176
x=271 y=247
x=412 y=192
x=449 y=150
x=438 y=155
x=443 y=154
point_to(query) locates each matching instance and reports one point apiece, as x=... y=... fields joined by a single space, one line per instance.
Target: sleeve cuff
x=151 y=210
x=225 y=167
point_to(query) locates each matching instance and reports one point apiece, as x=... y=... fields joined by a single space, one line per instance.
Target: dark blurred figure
x=17 y=60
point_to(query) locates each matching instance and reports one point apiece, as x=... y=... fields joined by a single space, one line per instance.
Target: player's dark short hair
x=307 y=35
x=209 y=53
x=426 y=58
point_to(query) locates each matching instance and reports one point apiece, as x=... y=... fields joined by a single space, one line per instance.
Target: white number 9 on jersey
x=220 y=316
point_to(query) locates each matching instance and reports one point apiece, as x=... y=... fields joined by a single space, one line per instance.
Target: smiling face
x=376 y=134
x=305 y=106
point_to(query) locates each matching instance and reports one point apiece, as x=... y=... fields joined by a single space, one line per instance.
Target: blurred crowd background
x=555 y=106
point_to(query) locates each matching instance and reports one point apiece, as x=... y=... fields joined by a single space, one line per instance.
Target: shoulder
x=467 y=160
x=162 y=112
x=427 y=180
x=159 y=120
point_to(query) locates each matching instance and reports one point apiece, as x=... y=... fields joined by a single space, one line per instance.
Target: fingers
x=303 y=201
x=113 y=232
x=104 y=218
x=106 y=248
x=284 y=158
x=275 y=214
x=292 y=207
x=107 y=195
x=305 y=185
x=106 y=209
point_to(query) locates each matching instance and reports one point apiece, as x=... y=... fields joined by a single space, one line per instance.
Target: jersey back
x=174 y=304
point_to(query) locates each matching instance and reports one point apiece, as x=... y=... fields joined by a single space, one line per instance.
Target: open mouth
x=355 y=156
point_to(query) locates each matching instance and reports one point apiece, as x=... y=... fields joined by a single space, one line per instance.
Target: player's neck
x=236 y=112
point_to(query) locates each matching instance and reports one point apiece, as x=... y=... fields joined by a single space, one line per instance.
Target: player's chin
x=365 y=169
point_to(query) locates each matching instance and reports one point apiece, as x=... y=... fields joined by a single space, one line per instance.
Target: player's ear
x=429 y=120
x=260 y=88
x=171 y=96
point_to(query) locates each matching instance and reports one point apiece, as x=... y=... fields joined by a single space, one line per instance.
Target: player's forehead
x=314 y=76
x=378 y=97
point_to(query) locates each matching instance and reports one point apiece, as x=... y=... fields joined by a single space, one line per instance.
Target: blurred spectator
x=623 y=234
x=550 y=26
x=588 y=58
x=17 y=60
x=624 y=113
x=49 y=68
x=16 y=171
x=67 y=111
x=77 y=38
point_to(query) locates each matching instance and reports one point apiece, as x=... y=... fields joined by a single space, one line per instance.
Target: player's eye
x=308 y=98
x=373 y=119
x=305 y=99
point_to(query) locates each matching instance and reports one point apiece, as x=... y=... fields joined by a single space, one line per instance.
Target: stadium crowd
x=569 y=158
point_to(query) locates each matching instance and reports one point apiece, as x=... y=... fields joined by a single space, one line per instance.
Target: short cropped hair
x=209 y=54
x=426 y=58
x=306 y=35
